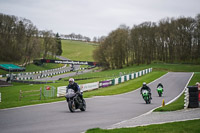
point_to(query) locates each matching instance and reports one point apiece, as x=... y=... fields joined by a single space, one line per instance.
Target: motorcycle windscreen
x=70 y=93
x=159 y=89
x=145 y=92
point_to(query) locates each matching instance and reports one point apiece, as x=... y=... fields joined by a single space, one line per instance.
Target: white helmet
x=71 y=81
x=144 y=83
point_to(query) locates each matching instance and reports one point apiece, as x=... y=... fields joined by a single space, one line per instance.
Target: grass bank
x=191 y=126
x=77 y=50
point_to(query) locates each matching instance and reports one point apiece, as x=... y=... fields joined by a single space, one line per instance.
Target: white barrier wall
x=122 y=79
x=61 y=91
x=127 y=77
x=136 y=75
x=186 y=98
x=89 y=86
x=132 y=75
x=116 y=81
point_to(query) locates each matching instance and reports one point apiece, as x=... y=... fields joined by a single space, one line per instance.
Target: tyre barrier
x=191 y=97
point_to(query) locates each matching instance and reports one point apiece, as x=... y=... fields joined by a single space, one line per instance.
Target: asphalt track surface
x=101 y=111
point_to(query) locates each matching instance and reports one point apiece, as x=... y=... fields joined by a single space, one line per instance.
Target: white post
x=186 y=98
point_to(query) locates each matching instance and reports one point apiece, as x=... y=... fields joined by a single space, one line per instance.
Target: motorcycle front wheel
x=71 y=105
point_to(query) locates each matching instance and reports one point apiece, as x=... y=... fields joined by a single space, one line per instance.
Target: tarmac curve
x=101 y=111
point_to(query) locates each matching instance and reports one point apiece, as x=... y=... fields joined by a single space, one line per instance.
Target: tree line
x=75 y=37
x=171 y=40
x=21 y=41
x=79 y=37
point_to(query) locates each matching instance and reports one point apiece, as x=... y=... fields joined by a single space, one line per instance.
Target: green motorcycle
x=160 y=91
x=146 y=96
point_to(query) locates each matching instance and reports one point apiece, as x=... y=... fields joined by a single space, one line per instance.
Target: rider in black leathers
x=160 y=85
x=145 y=87
x=73 y=85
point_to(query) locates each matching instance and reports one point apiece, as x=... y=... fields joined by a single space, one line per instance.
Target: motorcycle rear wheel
x=84 y=106
x=160 y=94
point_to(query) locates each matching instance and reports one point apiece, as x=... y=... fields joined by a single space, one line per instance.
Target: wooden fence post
x=40 y=93
x=20 y=94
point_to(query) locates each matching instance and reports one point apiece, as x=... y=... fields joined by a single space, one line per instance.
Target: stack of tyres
x=193 y=97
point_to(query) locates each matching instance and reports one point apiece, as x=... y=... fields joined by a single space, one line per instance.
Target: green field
x=77 y=50
x=191 y=126
x=176 y=67
x=10 y=95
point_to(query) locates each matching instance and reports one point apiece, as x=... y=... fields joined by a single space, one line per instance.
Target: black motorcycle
x=74 y=101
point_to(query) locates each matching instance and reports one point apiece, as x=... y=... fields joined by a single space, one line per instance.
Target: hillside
x=76 y=50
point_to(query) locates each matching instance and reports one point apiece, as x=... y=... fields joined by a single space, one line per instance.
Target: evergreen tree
x=59 y=45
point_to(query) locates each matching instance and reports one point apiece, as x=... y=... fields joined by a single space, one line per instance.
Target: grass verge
x=176 y=105
x=191 y=126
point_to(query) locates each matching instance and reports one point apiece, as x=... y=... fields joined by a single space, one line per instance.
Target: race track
x=101 y=111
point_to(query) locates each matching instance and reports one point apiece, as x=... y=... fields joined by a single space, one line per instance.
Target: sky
x=96 y=17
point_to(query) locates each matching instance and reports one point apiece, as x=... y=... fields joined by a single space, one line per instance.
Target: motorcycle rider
x=73 y=85
x=145 y=87
x=160 y=85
